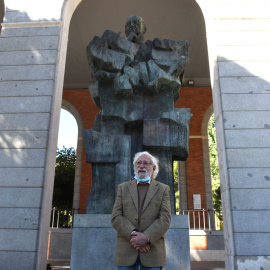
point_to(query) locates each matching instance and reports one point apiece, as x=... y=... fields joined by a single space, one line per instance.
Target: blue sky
x=68 y=130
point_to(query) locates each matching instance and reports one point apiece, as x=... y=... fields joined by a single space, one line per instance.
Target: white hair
x=153 y=159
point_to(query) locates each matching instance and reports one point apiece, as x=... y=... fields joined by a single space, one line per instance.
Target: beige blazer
x=155 y=221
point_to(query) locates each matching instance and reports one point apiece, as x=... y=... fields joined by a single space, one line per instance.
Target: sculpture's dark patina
x=135 y=86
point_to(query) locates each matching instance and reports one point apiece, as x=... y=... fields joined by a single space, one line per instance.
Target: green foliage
x=175 y=176
x=214 y=167
x=61 y=218
x=64 y=178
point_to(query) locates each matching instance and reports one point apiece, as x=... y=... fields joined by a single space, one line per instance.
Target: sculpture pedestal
x=177 y=244
x=94 y=243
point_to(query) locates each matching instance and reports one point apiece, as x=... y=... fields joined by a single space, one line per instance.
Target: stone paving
x=207 y=266
x=194 y=266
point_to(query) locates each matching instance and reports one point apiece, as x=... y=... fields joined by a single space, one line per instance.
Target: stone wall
x=239 y=44
x=32 y=59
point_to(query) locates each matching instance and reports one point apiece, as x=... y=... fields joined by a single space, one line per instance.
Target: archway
x=207 y=172
x=215 y=220
x=76 y=68
x=77 y=181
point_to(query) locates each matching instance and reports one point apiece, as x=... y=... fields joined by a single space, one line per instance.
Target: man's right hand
x=144 y=249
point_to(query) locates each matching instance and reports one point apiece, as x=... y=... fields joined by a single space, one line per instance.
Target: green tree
x=214 y=167
x=176 y=189
x=64 y=178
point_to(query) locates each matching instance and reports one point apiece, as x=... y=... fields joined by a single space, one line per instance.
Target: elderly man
x=141 y=216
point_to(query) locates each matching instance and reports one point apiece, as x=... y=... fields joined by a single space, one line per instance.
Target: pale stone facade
x=33 y=46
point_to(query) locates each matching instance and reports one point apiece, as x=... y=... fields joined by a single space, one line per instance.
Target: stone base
x=94 y=243
x=177 y=244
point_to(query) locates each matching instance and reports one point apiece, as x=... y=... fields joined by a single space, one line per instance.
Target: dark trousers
x=138 y=265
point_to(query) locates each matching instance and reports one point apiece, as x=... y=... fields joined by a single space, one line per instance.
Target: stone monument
x=135 y=86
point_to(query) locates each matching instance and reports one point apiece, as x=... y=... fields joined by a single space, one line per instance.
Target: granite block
x=29 y=43
x=30 y=31
x=207 y=256
x=25 y=104
x=60 y=244
x=37 y=57
x=23 y=139
x=245 y=158
x=19 y=218
x=91 y=231
x=254 y=244
x=245 y=102
x=247 y=119
x=249 y=177
x=250 y=199
x=247 y=138
x=10 y=260
x=20 y=197
x=26 y=88
x=251 y=221
x=178 y=255
x=21 y=177
x=18 y=240
x=21 y=158
x=88 y=248
x=245 y=85
x=215 y=242
x=31 y=72
x=25 y=121
x=92 y=221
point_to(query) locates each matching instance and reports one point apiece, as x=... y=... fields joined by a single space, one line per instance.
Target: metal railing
x=63 y=218
x=198 y=219
x=203 y=219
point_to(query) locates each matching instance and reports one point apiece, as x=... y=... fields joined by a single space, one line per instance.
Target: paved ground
x=194 y=266
x=207 y=266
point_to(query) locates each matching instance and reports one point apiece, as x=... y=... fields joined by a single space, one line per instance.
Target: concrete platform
x=194 y=265
x=207 y=265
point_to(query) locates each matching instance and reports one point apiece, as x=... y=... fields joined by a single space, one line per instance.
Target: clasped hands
x=140 y=242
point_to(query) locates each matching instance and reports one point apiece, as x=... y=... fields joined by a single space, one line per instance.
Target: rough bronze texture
x=135 y=86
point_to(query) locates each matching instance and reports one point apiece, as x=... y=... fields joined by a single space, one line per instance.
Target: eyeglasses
x=139 y=163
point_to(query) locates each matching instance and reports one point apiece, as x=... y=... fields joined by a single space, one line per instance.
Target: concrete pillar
x=32 y=60
x=239 y=45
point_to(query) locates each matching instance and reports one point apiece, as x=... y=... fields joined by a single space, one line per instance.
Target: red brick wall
x=81 y=99
x=198 y=99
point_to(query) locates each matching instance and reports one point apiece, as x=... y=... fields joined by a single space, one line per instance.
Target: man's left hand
x=138 y=240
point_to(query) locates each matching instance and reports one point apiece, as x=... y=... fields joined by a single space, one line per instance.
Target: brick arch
x=78 y=169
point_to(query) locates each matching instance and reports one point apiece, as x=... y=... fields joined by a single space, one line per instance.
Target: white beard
x=143 y=173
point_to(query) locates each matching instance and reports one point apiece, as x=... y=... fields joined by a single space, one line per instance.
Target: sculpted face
x=144 y=167
x=135 y=24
